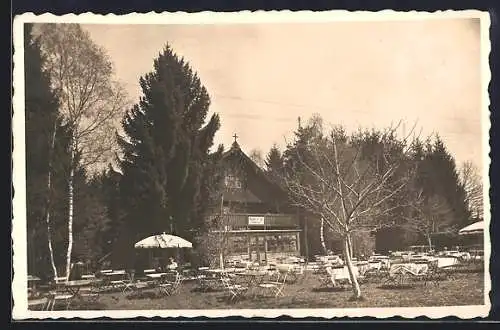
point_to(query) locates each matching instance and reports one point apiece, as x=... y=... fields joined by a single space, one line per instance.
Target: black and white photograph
x=251 y=164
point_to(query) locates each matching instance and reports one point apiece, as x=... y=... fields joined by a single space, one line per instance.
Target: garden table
x=73 y=287
x=208 y=283
x=156 y=276
x=215 y=270
x=32 y=281
x=115 y=278
x=401 y=272
x=443 y=262
x=252 y=279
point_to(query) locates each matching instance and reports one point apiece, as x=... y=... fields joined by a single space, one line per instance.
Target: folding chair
x=298 y=274
x=118 y=283
x=38 y=304
x=171 y=287
x=58 y=296
x=277 y=286
x=57 y=293
x=92 y=292
x=235 y=290
x=330 y=277
x=130 y=284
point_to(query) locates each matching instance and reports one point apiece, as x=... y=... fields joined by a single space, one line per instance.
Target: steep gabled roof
x=249 y=165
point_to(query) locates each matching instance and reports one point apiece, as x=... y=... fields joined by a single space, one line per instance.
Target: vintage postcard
x=309 y=164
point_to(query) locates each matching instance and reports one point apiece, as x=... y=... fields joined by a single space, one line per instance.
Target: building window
x=282 y=243
x=232 y=182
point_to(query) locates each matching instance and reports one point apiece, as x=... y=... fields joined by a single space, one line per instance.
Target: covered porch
x=263 y=245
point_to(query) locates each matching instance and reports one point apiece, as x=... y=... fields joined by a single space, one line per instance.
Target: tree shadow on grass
x=142 y=295
x=205 y=290
x=226 y=300
x=329 y=289
x=87 y=305
x=396 y=286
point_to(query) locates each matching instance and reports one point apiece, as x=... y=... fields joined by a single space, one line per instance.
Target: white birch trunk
x=49 y=202
x=322 y=235
x=350 y=267
x=70 y=210
x=429 y=241
x=51 y=250
x=351 y=246
x=221 y=260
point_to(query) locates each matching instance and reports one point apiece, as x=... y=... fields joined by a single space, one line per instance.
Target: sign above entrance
x=255 y=221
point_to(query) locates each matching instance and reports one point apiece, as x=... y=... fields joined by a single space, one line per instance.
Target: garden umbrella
x=163 y=241
x=475 y=228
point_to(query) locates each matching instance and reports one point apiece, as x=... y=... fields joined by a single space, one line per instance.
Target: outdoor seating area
x=212 y=176
x=250 y=282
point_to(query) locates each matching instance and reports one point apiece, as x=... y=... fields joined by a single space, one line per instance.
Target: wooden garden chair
x=132 y=284
x=92 y=292
x=58 y=293
x=235 y=291
x=297 y=274
x=39 y=304
x=277 y=286
x=172 y=286
x=435 y=274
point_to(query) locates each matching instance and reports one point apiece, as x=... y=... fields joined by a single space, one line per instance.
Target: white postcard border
x=19 y=283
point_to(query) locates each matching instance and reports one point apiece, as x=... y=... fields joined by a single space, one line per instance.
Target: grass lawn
x=464 y=289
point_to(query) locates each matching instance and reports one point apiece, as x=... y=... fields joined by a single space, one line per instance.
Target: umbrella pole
x=178 y=254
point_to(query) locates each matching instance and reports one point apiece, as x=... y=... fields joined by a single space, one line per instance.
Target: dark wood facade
x=258 y=216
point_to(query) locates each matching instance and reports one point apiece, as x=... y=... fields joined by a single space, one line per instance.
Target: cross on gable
x=235 y=137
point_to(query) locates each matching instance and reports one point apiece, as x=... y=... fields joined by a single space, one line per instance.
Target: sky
x=262 y=77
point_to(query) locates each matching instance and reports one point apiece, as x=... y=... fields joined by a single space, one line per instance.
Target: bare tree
x=347 y=191
x=472 y=183
x=428 y=216
x=256 y=156
x=215 y=241
x=91 y=102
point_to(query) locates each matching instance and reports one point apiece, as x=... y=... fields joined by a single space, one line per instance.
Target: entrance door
x=257 y=249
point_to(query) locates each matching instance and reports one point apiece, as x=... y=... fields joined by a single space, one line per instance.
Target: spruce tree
x=442 y=179
x=166 y=151
x=274 y=163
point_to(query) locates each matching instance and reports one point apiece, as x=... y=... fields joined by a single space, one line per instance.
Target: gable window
x=232 y=182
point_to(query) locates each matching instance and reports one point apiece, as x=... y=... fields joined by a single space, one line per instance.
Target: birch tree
x=347 y=191
x=91 y=102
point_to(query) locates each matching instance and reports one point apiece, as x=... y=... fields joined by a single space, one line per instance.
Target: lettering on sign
x=256 y=221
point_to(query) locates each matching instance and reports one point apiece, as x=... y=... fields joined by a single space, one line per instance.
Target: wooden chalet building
x=256 y=216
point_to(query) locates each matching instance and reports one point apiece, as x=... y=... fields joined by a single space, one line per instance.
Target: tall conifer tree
x=166 y=155
x=274 y=163
x=46 y=161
